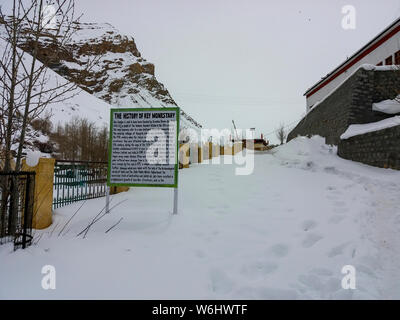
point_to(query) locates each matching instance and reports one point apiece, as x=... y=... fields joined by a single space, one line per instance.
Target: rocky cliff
x=117 y=74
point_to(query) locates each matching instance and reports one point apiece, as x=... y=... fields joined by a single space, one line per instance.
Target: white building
x=384 y=49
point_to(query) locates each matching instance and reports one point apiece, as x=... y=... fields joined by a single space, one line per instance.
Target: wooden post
x=119 y=189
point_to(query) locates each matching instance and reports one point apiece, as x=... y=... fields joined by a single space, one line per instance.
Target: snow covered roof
x=386 y=34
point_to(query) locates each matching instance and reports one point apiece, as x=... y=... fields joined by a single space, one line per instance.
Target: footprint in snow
x=311 y=239
x=366 y=270
x=332 y=170
x=280 y=250
x=334 y=192
x=259 y=269
x=340 y=203
x=220 y=283
x=336 y=219
x=311 y=281
x=338 y=250
x=265 y=293
x=199 y=253
x=340 y=210
x=322 y=272
x=331 y=197
x=320 y=285
x=308 y=225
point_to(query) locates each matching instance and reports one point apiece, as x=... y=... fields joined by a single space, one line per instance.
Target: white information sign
x=143 y=147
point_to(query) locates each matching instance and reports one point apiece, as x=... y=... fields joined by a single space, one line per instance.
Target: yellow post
x=115 y=190
x=200 y=154
x=210 y=150
x=43 y=202
x=228 y=150
x=237 y=147
x=205 y=151
x=187 y=155
x=216 y=150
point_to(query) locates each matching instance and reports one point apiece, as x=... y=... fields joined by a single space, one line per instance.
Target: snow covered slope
x=283 y=232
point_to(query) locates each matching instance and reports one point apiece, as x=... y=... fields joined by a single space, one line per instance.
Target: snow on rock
x=283 y=232
x=76 y=103
x=118 y=75
x=32 y=158
x=357 y=129
x=388 y=106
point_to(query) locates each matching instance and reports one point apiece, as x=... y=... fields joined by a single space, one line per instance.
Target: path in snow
x=284 y=232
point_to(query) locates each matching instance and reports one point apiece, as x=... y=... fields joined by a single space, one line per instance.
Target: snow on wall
x=358 y=129
x=387 y=49
x=388 y=106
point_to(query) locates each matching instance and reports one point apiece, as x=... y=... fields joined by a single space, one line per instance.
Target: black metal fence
x=16 y=207
x=78 y=180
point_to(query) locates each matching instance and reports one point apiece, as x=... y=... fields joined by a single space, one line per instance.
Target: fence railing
x=78 y=180
x=16 y=207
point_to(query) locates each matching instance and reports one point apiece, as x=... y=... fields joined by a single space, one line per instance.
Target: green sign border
x=175 y=185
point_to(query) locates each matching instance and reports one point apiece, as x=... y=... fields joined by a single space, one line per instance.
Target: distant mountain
x=81 y=104
x=120 y=75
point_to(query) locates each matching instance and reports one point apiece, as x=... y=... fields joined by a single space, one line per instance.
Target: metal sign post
x=175 y=201
x=177 y=160
x=108 y=199
x=144 y=149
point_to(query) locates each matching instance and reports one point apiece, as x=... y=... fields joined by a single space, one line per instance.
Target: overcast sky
x=250 y=61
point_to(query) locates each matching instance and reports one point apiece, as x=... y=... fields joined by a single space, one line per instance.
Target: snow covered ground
x=283 y=232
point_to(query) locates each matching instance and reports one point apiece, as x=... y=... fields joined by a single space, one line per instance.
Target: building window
x=389 y=61
x=397 y=58
x=380 y=64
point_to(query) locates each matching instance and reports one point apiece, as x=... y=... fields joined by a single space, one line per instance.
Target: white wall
x=379 y=54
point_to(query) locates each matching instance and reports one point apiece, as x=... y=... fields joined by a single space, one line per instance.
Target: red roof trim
x=353 y=62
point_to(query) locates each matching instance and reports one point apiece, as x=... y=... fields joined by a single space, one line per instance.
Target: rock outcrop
x=106 y=64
